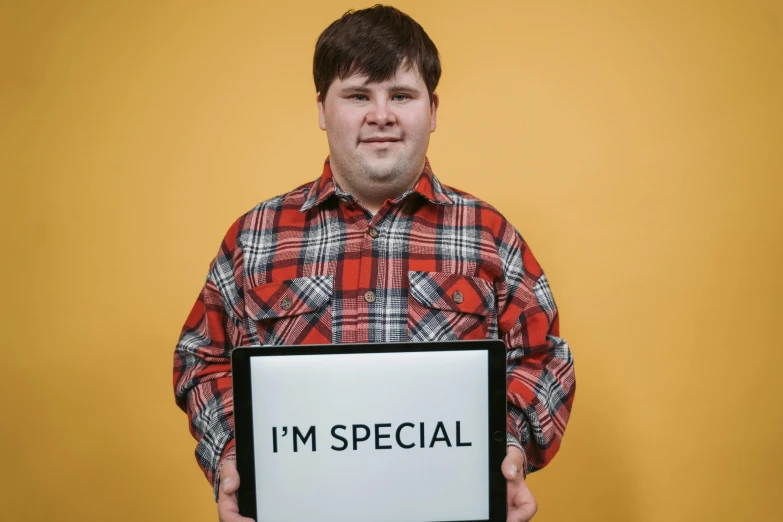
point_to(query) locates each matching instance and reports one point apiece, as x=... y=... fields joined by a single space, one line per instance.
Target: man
x=376 y=250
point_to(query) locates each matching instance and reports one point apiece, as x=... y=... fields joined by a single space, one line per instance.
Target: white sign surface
x=380 y=437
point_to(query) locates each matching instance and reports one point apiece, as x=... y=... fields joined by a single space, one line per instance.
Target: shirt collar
x=321 y=189
x=427 y=186
x=430 y=188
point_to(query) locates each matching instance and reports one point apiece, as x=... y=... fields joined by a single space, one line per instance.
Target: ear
x=321 y=115
x=434 y=119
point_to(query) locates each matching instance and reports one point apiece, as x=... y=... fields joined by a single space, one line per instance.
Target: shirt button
x=369 y=296
x=373 y=232
x=286 y=303
x=458 y=297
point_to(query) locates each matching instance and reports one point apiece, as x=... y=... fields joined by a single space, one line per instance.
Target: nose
x=381 y=114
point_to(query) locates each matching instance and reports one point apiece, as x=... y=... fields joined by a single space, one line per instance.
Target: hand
x=521 y=504
x=228 y=509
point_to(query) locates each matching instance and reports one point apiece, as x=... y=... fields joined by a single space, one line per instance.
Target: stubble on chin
x=386 y=174
x=388 y=181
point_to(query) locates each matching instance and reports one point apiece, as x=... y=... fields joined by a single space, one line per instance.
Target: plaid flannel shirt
x=314 y=267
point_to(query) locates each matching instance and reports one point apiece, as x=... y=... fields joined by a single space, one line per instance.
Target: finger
x=522 y=504
x=228 y=510
x=510 y=492
x=527 y=512
x=524 y=514
x=512 y=464
x=229 y=478
x=234 y=517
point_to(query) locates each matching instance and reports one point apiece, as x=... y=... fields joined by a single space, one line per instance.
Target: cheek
x=419 y=123
x=344 y=130
x=421 y=129
x=336 y=135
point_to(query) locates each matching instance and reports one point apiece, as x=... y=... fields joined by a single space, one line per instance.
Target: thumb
x=229 y=478
x=513 y=464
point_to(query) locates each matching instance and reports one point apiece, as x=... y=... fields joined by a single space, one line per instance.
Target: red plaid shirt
x=314 y=267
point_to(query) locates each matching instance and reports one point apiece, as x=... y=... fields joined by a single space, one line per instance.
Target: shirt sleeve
x=540 y=371
x=202 y=359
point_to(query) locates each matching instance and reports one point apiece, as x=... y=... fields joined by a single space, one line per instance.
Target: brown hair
x=374 y=42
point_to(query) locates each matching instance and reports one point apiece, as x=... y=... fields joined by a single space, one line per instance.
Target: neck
x=373 y=193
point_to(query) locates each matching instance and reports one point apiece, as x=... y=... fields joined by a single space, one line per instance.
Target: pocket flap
x=288 y=298
x=459 y=293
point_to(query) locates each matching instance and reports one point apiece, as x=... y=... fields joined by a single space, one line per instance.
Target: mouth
x=380 y=140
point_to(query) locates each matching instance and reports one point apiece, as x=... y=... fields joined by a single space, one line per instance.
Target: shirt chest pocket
x=448 y=307
x=291 y=312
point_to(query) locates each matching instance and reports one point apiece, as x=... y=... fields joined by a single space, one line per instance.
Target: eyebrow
x=356 y=88
x=362 y=88
x=403 y=87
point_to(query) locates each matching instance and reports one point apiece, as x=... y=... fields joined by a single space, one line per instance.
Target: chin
x=387 y=176
x=384 y=170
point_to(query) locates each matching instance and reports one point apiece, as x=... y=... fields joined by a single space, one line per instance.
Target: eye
x=401 y=97
x=359 y=97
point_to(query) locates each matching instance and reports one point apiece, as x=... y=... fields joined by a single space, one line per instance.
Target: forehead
x=404 y=76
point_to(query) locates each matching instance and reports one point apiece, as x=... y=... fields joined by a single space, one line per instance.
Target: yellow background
x=636 y=145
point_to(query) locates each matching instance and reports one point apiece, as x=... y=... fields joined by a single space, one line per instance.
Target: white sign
x=377 y=437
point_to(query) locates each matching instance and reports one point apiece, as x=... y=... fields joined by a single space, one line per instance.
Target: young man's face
x=378 y=132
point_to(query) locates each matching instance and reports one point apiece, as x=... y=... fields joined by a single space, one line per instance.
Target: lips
x=380 y=139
